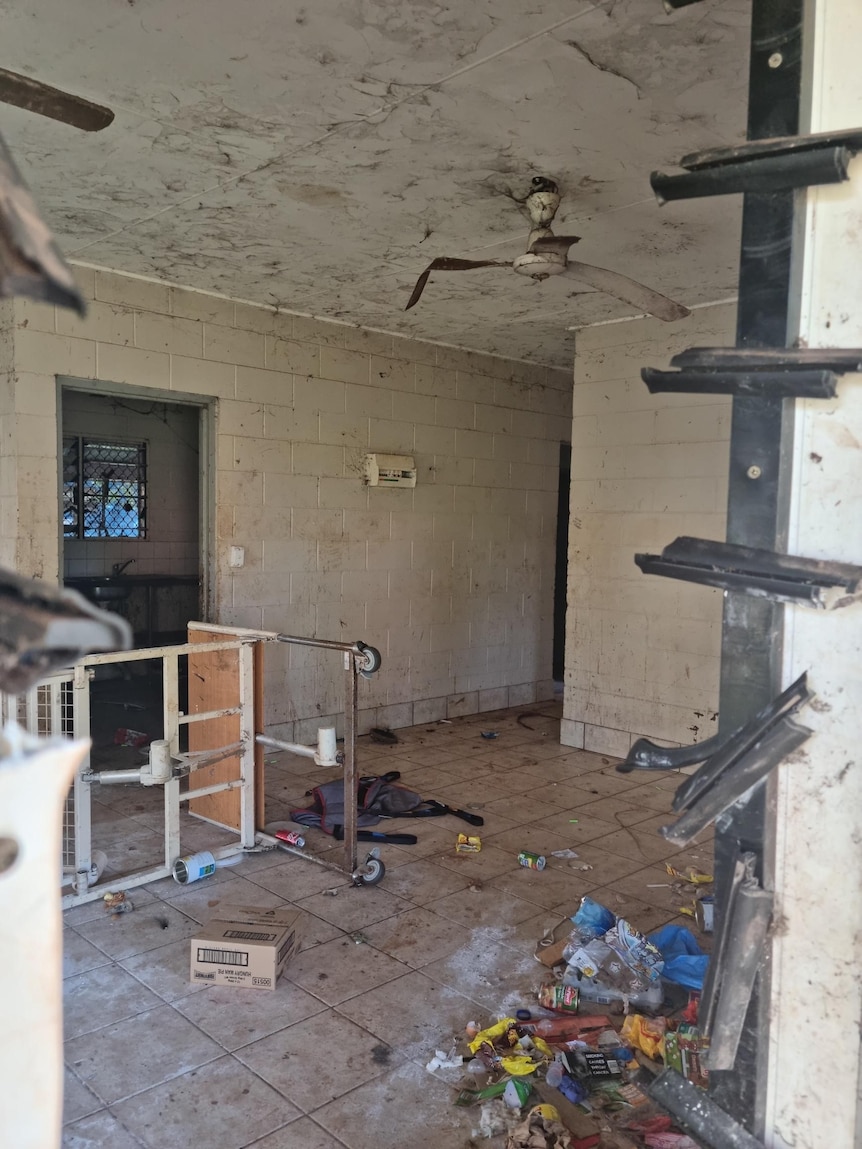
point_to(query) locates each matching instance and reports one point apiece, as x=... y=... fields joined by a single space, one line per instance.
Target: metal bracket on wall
x=742 y=762
x=698 y=1114
x=769 y=165
x=780 y=372
x=756 y=572
x=738 y=953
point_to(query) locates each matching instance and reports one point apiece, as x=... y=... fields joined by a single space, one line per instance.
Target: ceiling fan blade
x=556 y=243
x=628 y=290
x=30 y=261
x=34 y=96
x=444 y=263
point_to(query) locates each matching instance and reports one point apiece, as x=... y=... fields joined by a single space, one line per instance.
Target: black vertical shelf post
x=760 y=460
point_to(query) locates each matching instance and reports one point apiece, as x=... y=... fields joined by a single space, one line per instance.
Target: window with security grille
x=104 y=489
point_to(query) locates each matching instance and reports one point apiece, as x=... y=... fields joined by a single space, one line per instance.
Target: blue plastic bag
x=684 y=961
x=593 y=919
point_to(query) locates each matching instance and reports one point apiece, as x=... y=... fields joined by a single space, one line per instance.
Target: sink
x=109 y=589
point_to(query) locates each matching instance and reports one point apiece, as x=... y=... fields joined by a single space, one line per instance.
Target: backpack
x=378 y=797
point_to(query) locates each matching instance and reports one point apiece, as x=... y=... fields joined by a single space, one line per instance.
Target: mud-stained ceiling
x=317 y=156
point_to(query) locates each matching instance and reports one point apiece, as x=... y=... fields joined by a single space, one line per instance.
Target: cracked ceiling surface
x=318 y=156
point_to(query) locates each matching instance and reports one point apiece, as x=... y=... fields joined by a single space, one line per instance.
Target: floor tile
x=148 y=928
x=482 y=906
x=301 y=1134
x=101 y=996
x=202 y=902
x=355 y=907
x=342 y=968
x=631 y=843
x=423 y=880
x=651 y=885
x=413 y=1014
x=294 y=879
x=618 y=808
x=135 y=1054
x=78 y=1100
x=537 y=838
x=79 y=955
x=546 y=887
x=236 y=1017
x=317 y=1060
x=606 y=867
x=405 y=1107
x=416 y=937
x=220 y=1106
x=576 y=826
x=98 y=1132
x=488 y=863
x=164 y=970
x=488 y=970
x=90 y=911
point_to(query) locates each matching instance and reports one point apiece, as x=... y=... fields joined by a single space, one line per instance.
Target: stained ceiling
x=317 y=156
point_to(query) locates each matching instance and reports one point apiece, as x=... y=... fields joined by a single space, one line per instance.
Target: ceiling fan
x=547 y=254
x=31 y=264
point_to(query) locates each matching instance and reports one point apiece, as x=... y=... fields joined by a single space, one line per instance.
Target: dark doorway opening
x=562 y=562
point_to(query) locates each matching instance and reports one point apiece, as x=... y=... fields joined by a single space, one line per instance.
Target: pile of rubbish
x=572 y=1070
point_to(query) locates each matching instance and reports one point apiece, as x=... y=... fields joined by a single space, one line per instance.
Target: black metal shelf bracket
x=780 y=372
x=780 y=163
x=758 y=573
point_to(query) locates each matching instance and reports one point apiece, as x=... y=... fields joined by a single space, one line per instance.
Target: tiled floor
x=335 y=1056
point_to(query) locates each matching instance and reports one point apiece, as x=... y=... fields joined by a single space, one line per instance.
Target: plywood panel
x=214 y=685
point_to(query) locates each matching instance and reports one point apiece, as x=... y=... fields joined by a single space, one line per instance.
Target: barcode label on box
x=222 y=957
x=249 y=936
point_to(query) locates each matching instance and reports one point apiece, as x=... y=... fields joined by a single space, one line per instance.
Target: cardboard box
x=246 y=946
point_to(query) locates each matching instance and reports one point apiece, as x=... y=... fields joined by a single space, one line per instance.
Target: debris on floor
x=118 y=903
x=246 y=946
x=467 y=844
x=577 y=1078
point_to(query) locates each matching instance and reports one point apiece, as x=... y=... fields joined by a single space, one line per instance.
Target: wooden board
x=214 y=685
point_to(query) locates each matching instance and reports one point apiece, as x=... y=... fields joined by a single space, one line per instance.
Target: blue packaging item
x=593 y=919
x=684 y=961
x=573 y=1090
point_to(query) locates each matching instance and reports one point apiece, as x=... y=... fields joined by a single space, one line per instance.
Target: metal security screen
x=104 y=489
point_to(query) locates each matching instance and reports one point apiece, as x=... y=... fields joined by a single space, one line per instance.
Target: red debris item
x=659 y=1123
x=689 y=1014
x=557 y=1030
x=124 y=737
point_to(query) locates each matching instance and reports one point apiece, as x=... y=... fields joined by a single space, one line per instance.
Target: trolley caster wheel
x=368 y=660
x=372 y=872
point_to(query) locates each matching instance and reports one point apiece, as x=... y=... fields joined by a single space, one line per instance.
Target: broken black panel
x=732 y=748
x=775 y=384
x=850 y=138
x=670 y=5
x=837 y=359
x=646 y=755
x=741 y=942
x=766 y=174
x=756 y=572
x=736 y=779
x=696 y=1112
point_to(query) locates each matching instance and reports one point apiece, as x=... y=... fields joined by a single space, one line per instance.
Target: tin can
x=290 y=838
x=194 y=867
x=704 y=914
x=531 y=861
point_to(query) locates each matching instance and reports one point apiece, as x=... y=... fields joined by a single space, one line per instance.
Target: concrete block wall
x=642 y=653
x=453 y=580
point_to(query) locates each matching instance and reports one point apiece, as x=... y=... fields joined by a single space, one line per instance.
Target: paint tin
x=531 y=861
x=193 y=867
x=704 y=914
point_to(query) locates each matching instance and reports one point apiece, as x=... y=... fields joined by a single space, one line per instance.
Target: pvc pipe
x=327 y=747
x=112 y=777
x=160 y=765
x=291 y=747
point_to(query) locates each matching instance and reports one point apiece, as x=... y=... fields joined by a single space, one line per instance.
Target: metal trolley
x=359 y=659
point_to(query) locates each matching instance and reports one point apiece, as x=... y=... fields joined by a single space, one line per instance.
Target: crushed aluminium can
x=531 y=861
x=704 y=914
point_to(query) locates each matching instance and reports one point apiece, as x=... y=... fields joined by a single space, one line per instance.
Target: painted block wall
x=453 y=580
x=642 y=653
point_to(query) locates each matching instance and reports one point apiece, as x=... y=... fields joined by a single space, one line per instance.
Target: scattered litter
x=332 y=893
x=523 y=1015
x=541 y=1129
x=704 y=913
x=359 y=939
x=516 y=1093
x=445 y=721
x=471 y=1029
x=693 y=878
x=573 y=821
x=532 y=861
x=201 y=865
x=467 y=844
x=584 y=868
x=564 y=854
x=490 y=733
x=559 y=998
x=118 y=903
x=441 y=1060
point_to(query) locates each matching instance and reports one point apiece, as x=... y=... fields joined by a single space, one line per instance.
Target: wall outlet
x=237 y=557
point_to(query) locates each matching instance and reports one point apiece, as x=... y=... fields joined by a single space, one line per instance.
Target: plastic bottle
x=554 y=1075
x=599 y=994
